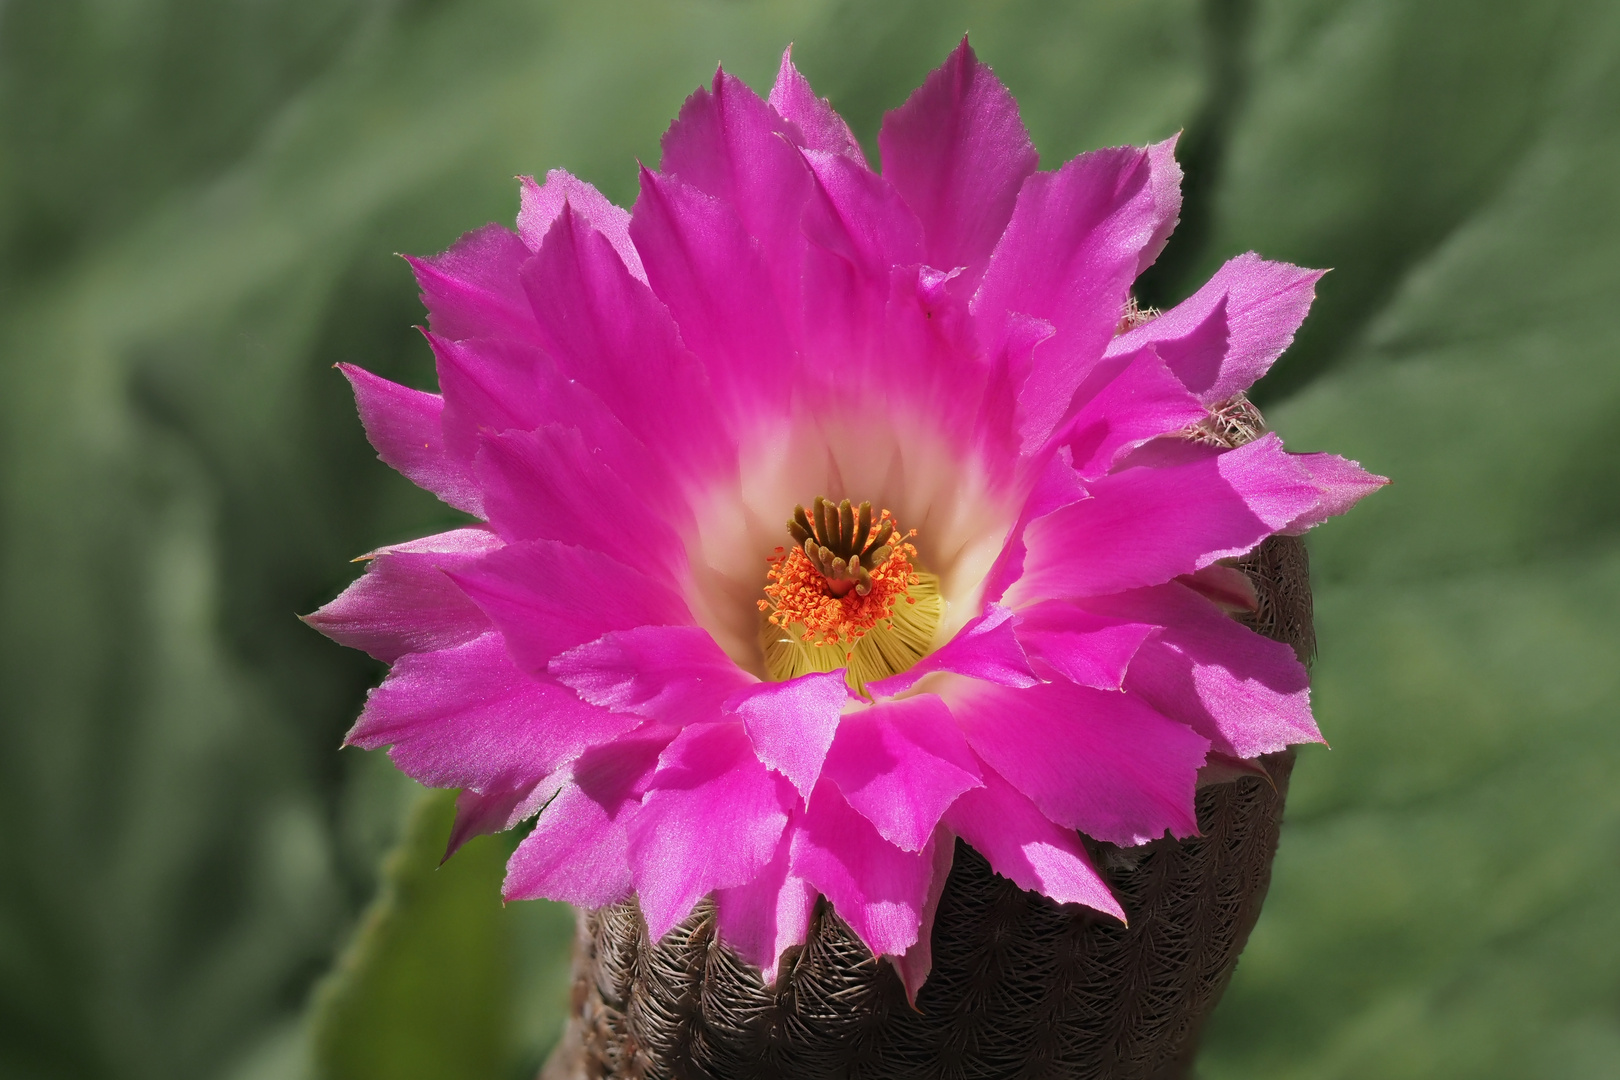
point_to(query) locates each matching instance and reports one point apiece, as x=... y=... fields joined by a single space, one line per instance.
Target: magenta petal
x=927 y=364
x=500 y=808
x=471 y=542
x=467 y=717
x=1094 y=760
x=1068 y=256
x=1226 y=335
x=1142 y=402
x=791 y=724
x=879 y=890
x=404 y=602
x=1144 y=526
x=899 y=764
x=473 y=290
x=820 y=126
x=403 y=425
x=618 y=775
x=1012 y=357
x=1165 y=181
x=546 y=597
x=765 y=917
x=1027 y=849
x=916 y=962
x=986 y=648
x=1247 y=694
x=710 y=820
x=1057 y=485
x=958 y=153
x=858 y=216
x=1340 y=485
x=541 y=205
x=607 y=330
x=549 y=484
x=496 y=386
x=1081 y=646
x=579 y=851
x=676 y=674
x=729 y=144
x=710 y=273
x=859 y=231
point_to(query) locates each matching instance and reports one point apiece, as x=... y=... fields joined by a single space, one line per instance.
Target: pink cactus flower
x=826 y=515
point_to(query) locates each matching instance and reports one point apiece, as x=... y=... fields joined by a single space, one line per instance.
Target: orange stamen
x=801 y=595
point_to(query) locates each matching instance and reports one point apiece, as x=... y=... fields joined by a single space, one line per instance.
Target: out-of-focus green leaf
x=1368 y=132
x=1444 y=899
x=426 y=988
x=106 y=107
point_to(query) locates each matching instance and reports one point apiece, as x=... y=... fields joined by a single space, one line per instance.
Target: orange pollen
x=800 y=594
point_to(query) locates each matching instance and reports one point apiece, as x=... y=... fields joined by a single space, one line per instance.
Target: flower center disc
x=847 y=595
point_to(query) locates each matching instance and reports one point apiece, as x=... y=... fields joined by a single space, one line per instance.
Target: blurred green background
x=199 y=202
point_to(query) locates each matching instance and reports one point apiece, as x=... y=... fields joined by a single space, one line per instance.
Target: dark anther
x=839 y=540
x=801 y=524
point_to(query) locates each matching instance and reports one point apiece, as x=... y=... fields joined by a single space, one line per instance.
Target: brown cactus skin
x=1021 y=986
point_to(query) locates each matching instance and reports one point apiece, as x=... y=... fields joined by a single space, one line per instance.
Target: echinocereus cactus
x=827 y=516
